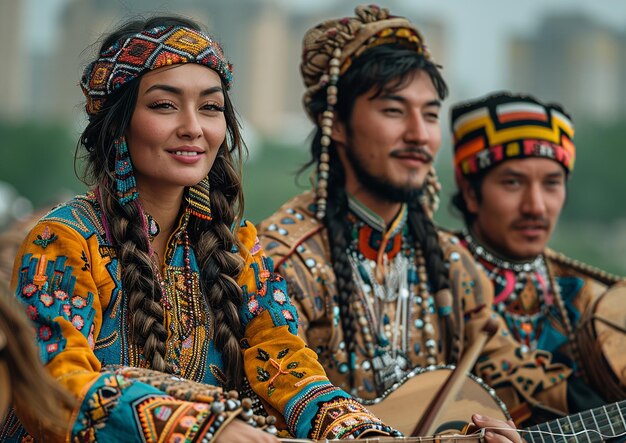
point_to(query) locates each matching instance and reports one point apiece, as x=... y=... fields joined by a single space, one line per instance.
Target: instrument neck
x=594 y=425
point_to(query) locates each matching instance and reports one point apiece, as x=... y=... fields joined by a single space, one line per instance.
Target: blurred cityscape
x=566 y=55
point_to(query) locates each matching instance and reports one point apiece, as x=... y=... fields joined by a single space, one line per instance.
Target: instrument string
x=560 y=434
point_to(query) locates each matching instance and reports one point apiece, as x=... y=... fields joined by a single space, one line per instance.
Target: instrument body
x=601 y=338
x=406 y=402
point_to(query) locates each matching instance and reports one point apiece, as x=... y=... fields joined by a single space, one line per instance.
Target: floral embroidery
x=45 y=238
x=29 y=290
x=264 y=376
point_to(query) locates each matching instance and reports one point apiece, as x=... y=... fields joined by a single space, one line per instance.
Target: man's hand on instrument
x=497 y=431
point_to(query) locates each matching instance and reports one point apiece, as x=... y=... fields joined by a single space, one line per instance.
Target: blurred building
x=574 y=60
x=262 y=39
x=13 y=53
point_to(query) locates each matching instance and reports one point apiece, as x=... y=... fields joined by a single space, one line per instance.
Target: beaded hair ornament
x=328 y=51
x=504 y=126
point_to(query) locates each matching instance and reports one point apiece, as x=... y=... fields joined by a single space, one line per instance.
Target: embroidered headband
x=328 y=51
x=504 y=126
x=148 y=50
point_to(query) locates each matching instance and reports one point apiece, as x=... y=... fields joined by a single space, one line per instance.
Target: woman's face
x=177 y=126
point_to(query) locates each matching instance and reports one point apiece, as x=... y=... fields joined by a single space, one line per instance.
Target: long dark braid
x=219 y=265
x=339 y=237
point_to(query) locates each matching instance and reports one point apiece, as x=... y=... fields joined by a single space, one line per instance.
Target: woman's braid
x=138 y=278
x=220 y=266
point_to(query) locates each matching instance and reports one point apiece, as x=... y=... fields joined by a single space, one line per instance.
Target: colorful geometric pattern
x=403 y=36
x=146 y=51
x=329 y=413
x=46 y=288
x=503 y=126
x=125 y=183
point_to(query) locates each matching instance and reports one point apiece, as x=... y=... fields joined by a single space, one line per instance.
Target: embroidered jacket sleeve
x=61 y=276
x=281 y=369
x=517 y=376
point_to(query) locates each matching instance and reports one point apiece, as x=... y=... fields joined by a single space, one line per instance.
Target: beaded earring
x=198 y=197
x=323 y=166
x=430 y=194
x=125 y=184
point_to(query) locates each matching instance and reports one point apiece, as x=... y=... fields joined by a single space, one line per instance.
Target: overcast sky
x=476 y=29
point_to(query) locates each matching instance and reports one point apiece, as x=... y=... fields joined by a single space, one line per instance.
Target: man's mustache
x=420 y=151
x=536 y=222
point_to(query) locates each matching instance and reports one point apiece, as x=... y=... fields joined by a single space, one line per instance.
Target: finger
x=499 y=427
x=493 y=437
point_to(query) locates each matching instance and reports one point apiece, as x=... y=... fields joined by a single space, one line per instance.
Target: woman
x=154 y=271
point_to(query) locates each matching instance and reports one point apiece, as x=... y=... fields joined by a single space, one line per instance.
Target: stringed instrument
x=403 y=407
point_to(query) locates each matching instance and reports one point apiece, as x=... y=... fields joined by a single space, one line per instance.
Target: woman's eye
x=214 y=107
x=161 y=105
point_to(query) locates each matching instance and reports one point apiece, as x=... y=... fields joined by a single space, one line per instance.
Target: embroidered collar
x=376 y=222
x=370 y=236
x=481 y=251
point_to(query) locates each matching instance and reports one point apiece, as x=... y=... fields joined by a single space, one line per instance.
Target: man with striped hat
x=512 y=159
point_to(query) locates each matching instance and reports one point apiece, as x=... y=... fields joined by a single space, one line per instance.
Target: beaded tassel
x=323 y=168
x=125 y=184
x=430 y=193
x=199 y=200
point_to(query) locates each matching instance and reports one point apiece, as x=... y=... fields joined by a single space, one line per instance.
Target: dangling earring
x=430 y=193
x=198 y=197
x=323 y=166
x=125 y=184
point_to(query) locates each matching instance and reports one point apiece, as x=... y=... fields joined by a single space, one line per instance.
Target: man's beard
x=381 y=188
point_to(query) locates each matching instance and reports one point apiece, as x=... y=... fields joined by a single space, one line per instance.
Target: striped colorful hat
x=145 y=51
x=503 y=126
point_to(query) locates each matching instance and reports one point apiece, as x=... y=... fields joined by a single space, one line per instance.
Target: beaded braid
x=138 y=277
x=426 y=234
x=220 y=266
x=339 y=235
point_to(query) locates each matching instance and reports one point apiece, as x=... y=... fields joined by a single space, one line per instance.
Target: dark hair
x=458 y=205
x=213 y=241
x=382 y=68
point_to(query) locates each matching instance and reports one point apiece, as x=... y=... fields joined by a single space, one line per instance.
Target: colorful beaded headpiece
x=328 y=51
x=145 y=51
x=504 y=126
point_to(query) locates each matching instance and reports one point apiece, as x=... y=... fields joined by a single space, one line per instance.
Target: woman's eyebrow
x=179 y=91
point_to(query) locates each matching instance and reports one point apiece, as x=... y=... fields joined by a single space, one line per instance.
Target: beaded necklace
x=183 y=283
x=516 y=280
x=389 y=269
